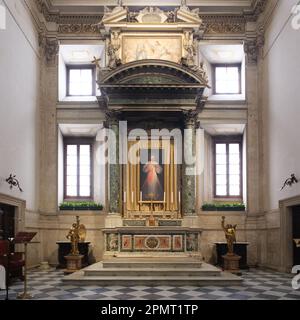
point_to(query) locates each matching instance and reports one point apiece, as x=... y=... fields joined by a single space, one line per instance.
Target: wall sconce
x=290 y=181
x=13 y=182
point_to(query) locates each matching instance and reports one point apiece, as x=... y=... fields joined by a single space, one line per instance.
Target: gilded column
x=189 y=164
x=114 y=172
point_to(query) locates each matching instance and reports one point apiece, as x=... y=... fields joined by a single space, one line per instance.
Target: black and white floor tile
x=257 y=285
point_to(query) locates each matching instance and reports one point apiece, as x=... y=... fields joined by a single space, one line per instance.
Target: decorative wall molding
x=211 y=25
x=253 y=47
x=50 y=46
x=60 y=18
x=224 y=24
x=79 y=28
x=258 y=9
x=190 y=118
x=71 y=23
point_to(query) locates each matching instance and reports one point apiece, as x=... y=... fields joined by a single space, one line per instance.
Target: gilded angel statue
x=230 y=234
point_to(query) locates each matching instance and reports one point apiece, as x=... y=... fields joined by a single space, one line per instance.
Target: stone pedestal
x=74 y=263
x=231 y=263
x=44 y=266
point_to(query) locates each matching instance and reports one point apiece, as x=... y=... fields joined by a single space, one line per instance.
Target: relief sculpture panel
x=163 y=48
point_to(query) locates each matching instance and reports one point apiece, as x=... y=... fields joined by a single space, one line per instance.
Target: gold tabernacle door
x=151 y=180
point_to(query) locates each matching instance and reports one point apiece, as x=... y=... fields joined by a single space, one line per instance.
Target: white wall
x=281 y=108
x=62 y=78
x=99 y=172
x=19 y=74
x=60 y=167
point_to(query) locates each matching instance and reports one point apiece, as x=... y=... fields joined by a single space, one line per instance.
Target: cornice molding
x=226 y=24
x=257 y=9
x=79 y=28
x=71 y=23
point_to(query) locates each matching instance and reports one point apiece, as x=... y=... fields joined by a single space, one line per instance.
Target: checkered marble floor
x=257 y=285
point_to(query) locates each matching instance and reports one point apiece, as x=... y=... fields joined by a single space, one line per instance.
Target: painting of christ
x=152 y=175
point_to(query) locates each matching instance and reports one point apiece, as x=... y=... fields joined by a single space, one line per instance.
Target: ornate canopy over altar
x=151 y=55
x=152 y=79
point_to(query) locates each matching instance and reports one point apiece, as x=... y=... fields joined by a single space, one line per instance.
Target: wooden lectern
x=25 y=238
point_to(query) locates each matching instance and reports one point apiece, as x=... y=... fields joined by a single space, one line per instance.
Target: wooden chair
x=14 y=261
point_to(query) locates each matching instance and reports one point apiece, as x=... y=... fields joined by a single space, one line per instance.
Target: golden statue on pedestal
x=230 y=232
x=76 y=234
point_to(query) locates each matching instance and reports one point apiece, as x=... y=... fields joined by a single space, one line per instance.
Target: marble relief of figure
x=189 y=48
x=161 y=52
x=113 y=50
x=141 y=52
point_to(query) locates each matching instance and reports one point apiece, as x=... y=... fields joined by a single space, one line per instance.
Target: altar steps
x=170 y=262
x=223 y=280
x=152 y=272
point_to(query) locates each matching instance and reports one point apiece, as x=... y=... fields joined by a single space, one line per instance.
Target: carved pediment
x=190 y=16
x=152 y=15
x=118 y=14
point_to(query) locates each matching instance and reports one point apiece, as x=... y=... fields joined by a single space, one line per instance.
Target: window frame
x=70 y=67
x=78 y=142
x=227 y=140
x=226 y=65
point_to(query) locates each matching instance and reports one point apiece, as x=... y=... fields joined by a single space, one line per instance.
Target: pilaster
x=253 y=48
x=48 y=125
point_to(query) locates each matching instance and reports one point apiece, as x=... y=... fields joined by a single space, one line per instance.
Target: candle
x=141 y=196
x=164 y=197
x=172 y=197
x=179 y=199
x=132 y=196
x=124 y=196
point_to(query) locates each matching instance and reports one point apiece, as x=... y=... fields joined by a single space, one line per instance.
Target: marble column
x=189 y=165
x=114 y=172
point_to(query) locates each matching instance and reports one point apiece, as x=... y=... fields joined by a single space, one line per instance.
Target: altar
x=152 y=93
x=152 y=239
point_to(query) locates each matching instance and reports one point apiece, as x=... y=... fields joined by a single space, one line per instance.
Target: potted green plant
x=223 y=207
x=209 y=207
x=84 y=205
